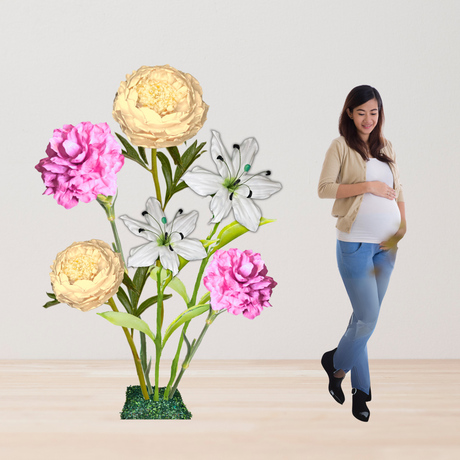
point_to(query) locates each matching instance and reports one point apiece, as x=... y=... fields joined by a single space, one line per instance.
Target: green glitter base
x=137 y=408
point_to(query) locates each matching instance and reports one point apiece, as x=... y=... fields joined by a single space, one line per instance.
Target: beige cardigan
x=343 y=165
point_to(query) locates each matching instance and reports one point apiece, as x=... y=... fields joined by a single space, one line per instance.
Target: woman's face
x=365 y=117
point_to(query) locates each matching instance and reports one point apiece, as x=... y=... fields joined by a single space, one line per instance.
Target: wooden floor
x=254 y=410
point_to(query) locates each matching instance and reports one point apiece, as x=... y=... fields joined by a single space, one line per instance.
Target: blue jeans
x=365 y=271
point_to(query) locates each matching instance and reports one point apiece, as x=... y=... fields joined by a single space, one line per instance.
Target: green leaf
x=128 y=283
x=180 y=187
x=185 y=316
x=51 y=303
x=232 y=231
x=177 y=285
x=164 y=273
x=123 y=298
x=174 y=152
x=185 y=162
x=128 y=321
x=167 y=173
x=140 y=277
x=51 y=295
x=207 y=243
x=149 y=302
x=130 y=151
x=143 y=155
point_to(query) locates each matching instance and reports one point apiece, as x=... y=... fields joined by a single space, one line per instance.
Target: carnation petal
x=246 y=212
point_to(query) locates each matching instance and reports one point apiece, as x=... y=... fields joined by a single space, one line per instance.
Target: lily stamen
x=146 y=212
x=219 y=157
x=150 y=231
x=267 y=173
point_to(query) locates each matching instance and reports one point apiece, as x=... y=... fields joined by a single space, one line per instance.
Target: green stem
x=144 y=362
x=109 y=208
x=204 y=262
x=117 y=241
x=175 y=362
x=210 y=319
x=213 y=231
x=154 y=172
x=137 y=361
x=158 y=337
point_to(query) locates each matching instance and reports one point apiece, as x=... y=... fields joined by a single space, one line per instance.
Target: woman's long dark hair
x=358 y=96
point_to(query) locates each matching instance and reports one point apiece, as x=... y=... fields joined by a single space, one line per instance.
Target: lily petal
x=155 y=214
x=133 y=225
x=262 y=187
x=202 y=181
x=220 y=205
x=244 y=155
x=225 y=167
x=185 y=223
x=190 y=249
x=169 y=259
x=246 y=212
x=144 y=255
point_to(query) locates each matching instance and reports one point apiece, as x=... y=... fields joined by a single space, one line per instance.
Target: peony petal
x=144 y=255
x=220 y=205
x=190 y=249
x=224 y=167
x=134 y=226
x=262 y=187
x=202 y=181
x=246 y=212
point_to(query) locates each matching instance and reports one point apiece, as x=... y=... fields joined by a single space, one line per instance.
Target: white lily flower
x=233 y=188
x=166 y=240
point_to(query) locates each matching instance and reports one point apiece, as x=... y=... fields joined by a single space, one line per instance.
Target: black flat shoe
x=335 y=383
x=360 y=409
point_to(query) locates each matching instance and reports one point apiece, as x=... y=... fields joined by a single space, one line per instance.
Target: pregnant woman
x=361 y=174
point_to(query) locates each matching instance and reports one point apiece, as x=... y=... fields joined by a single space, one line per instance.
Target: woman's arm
x=393 y=241
x=328 y=187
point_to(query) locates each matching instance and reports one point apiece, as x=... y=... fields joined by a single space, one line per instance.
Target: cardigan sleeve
x=400 y=197
x=328 y=185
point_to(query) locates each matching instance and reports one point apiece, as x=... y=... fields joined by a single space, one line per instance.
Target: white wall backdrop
x=278 y=71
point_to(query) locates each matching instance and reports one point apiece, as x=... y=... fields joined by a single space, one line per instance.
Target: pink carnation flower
x=82 y=163
x=237 y=281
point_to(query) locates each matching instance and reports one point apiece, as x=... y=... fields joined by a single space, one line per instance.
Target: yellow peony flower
x=86 y=274
x=159 y=107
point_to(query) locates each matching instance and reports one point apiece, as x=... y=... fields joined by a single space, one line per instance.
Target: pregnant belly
x=376 y=227
x=377 y=220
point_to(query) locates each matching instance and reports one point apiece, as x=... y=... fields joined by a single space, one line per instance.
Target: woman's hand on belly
x=379 y=188
x=392 y=243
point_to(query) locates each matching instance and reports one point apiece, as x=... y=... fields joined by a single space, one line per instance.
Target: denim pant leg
x=365 y=271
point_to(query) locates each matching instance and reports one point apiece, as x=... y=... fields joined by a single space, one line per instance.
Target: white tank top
x=378 y=218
